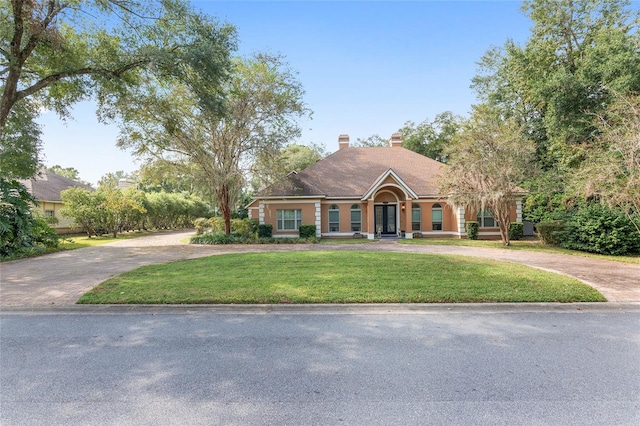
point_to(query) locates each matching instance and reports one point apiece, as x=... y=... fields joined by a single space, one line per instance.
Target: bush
x=265 y=230
x=516 y=231
x=550 y=231
x=472 y=230
x=200 y=224
x=217 y=238
x=241 y=226
x=22 y=234
x=598 y=229
x=307 y=231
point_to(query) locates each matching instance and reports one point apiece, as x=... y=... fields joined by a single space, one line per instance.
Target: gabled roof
x=380 y=182
x=353 y=171
x=46 y=186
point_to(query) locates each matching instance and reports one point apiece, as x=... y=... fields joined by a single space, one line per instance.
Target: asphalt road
x=436 y=365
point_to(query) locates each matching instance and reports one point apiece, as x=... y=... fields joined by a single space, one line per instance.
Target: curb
x=329 y=309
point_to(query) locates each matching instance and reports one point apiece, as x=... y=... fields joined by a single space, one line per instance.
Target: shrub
x=241 y=226
x=22 y=234
x=216 y=238
x=200 y=224
x=307 y=231
x=599 y=229
x=550 y=231
x=265 y=230
x=516 y=231
x=216 y=224
x=472 y=230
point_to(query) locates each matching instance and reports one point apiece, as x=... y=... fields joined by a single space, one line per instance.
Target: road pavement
x=381 y=365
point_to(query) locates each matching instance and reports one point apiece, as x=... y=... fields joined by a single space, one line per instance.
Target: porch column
x=462 y=231
x=519 y=211
x=407 y=219
x=318 y=220
x=261 y=214
x=370 y=220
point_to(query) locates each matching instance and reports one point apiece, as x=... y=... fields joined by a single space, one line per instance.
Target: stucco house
x=46 y=188
x=370 y=192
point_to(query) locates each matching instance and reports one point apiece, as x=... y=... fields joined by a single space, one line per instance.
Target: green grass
x=81 y=241
x=530 y=245
x=338 y=277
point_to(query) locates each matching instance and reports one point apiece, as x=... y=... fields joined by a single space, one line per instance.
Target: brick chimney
x=343 y=141
x=396 y=140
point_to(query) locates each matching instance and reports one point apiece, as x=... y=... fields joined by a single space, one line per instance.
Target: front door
x=386 y=219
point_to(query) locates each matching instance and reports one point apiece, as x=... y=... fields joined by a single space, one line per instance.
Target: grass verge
x=338 y=277
x=81 y=241
x=530 y=245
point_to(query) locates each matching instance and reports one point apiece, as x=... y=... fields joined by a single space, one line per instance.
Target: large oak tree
x=54 y=53
x=263 y=101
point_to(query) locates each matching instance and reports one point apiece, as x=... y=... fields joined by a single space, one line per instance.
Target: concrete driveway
x=61 y=278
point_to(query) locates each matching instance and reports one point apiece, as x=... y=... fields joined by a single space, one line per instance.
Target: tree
x=611 y=171
x=20 y=143
x=83 y=206
x=371 y=141
x=270 y=168
x=68 y=172
x=430 y=138
x=487 y=160
x=579 y=54
x=263 y=101
x=57 y=52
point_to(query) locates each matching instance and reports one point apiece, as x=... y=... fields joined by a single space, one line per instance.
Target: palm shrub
x=20 y=231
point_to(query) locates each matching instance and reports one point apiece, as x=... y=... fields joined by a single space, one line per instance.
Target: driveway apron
x=61 y=278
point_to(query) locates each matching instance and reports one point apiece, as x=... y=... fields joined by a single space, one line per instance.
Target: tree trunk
x=502 y=216
x=225 y=207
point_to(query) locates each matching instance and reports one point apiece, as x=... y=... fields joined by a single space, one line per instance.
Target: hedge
x=472 y=230
x=307 y=231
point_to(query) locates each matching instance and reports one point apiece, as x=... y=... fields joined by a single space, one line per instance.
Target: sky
x=367 y=67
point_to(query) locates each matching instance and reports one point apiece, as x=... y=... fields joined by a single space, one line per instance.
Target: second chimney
x=396 y=140
x=343 y=141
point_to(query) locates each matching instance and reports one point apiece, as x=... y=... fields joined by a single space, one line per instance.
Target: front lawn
x=72 y=242
x=338 y=277
x=530 y=245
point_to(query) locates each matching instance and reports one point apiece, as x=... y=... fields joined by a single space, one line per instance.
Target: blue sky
x=367 y=67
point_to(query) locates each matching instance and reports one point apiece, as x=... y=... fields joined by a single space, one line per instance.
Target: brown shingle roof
x=350 y=172
x=48 y=185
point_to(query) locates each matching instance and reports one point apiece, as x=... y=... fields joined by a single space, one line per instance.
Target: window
x=356 y=218
x=485 y=220
x=49 y=213
x=415 y=218
x=436 y=217
x=334 y=218
x=289 y=220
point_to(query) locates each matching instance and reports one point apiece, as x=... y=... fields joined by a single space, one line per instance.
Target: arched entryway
x=388 y=202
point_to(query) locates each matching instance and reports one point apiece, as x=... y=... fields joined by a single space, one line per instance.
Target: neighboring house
x=46 y=188
x=373 y=191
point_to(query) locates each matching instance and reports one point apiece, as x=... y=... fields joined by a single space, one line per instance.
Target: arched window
x=436 y=217
x=356 y=218
x=415 y=217
x=334 y=218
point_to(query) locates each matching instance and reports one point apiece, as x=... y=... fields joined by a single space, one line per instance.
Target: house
x=46 y=188
x=370 y=192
